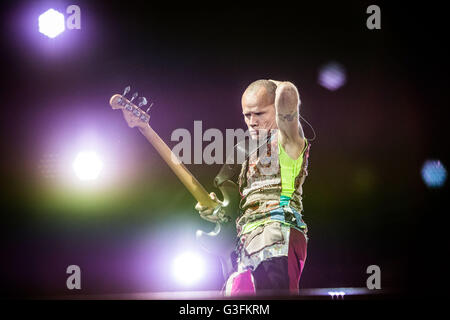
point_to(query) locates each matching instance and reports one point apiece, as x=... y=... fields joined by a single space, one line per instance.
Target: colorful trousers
x=270 y=261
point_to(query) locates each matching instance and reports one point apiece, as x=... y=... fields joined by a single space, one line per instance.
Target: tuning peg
x=126 y=90
x=134 y=96
x=149 y=108
x=142 y=101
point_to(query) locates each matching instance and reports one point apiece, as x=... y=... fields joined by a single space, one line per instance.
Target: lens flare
x=188 y=268
x=87 y=165
x=51 y=23
x=434 y=173
x=332 y=76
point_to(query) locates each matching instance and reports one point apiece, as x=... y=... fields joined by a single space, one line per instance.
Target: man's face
x=259 y=111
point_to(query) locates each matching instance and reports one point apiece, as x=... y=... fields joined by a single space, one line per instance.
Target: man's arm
x=287 y=102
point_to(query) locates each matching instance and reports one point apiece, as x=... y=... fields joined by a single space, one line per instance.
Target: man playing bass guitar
x=271 y=234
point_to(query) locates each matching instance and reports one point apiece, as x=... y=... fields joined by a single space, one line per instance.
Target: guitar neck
x=186 y=177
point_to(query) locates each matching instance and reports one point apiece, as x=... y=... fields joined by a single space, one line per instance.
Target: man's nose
x=253 y=121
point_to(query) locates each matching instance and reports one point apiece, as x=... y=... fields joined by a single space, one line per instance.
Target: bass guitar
x=220 y=241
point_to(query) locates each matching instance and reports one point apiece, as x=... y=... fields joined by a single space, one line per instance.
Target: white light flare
x=337 y=294
x=87 y=165
x=188 y=268
x=51 y=23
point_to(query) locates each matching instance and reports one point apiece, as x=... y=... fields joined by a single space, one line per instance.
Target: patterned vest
x=260 y=184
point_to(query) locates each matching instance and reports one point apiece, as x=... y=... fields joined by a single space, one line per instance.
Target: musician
x=271 y=234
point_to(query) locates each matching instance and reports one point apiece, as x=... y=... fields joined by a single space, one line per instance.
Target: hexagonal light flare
x=51 y=23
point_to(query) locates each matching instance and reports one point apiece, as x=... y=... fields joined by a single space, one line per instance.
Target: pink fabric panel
x=296 y=258
x=243 y=284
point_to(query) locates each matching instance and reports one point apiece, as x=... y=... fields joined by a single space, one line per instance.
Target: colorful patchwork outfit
x=272 y=236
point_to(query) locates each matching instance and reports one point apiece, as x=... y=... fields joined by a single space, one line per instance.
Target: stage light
x=51 y=23
x=332 y=76
x=87 y=165
x=337 y=294
x=188 y=268
x=434 y=173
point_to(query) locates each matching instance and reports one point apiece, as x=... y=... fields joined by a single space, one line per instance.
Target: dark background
x=365 y=201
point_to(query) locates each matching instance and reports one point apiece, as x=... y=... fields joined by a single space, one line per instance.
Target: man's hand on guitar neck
x=206 y=212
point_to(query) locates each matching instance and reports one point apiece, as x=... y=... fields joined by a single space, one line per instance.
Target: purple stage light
x=332 y=76
x=51 y=23
x=188 y=268
x=434 y=173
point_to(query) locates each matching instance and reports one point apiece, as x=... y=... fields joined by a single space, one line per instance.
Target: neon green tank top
x=290 y=169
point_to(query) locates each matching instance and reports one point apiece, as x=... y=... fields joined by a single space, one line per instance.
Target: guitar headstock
x=133 y=114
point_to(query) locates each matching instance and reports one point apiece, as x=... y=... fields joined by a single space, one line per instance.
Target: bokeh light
x=188 y=268
x=332 y=76
x=434 y=173
x=87 y=165
x=51 y=23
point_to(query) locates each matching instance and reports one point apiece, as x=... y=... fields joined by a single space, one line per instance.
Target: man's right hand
x=206 y=212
